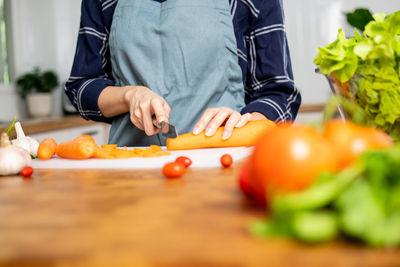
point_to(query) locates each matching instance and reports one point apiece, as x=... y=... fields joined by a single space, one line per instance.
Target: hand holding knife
x=167 y=130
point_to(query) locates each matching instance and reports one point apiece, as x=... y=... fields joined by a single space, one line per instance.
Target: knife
x=167 y=130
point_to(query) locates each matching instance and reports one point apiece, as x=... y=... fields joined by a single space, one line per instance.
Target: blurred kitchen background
x=43 y=33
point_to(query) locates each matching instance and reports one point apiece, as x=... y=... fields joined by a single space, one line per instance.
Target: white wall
x=314 y=23
x=44 y=35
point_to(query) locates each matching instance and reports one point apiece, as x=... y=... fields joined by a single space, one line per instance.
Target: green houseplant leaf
x=359 y=18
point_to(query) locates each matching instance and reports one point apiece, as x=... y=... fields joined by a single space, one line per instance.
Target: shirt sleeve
x=270 y=88
x=91 y=67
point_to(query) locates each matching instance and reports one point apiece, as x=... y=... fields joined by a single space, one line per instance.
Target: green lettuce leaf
x=371 y=64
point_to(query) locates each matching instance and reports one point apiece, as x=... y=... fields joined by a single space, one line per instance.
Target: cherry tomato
x=27 y=171
x=226 y=160
x=173 y=169
x=185 y=160
x=350 y=140
x=289 y=158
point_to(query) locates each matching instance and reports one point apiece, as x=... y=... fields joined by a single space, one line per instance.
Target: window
x=4 y=66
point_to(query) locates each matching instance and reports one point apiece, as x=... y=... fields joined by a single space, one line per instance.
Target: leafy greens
x=361 y=202
x=371 y=64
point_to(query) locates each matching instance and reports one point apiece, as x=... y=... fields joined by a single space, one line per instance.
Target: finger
x=136 y=122
x=230 y=125
x=148 y=125
x=137 y=113
x=134 y=118
x=204 y=120
x=158 y=110
x=222 y=115
x=243 y=120
x=167 y=109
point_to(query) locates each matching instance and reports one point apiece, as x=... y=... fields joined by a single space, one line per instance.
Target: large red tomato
x=289 y=158
x=246 y=186
x=350 y=140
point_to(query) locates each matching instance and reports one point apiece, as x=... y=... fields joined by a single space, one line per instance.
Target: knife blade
x=167 y=130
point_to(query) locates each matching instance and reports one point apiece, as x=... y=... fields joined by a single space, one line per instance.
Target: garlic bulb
x=12 y=158
x=25 y=142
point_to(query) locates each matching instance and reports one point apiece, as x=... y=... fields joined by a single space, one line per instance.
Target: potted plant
x=36 y=88
x=359 y=18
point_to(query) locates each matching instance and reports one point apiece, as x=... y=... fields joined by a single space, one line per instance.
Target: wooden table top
x=138 y=218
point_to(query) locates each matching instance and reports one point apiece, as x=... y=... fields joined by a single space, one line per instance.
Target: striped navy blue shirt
x=262 y=51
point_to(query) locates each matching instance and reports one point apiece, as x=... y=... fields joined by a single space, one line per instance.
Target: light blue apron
x=183 y=50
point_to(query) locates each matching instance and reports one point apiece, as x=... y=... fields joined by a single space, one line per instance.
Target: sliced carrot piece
x=109 y=146
x=155 y=148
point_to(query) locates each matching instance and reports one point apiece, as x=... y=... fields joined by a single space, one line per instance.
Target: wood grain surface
x=138 y=218
x=309 y=108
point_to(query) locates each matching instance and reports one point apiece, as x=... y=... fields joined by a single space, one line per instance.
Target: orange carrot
x=98 y=152
x=85 y=137
x=109 y=146
x=244 y=136
x=76 y=149
x=84 y=146
x=156 y=148
x=47 y=148
x=101 y=153
x=124 y=154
